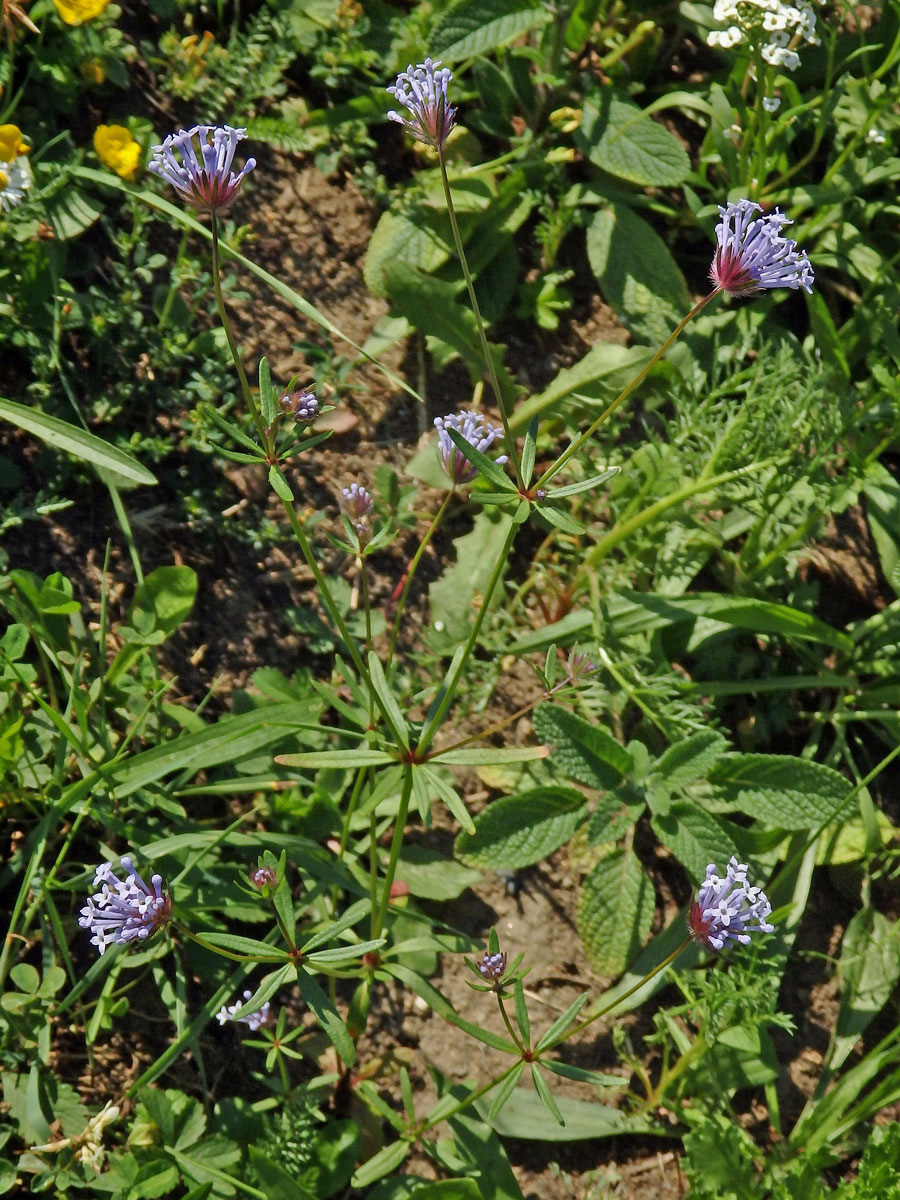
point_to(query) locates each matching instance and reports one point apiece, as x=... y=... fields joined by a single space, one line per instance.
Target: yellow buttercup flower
x=11 y=144
x=117 y=149
x=76 y=12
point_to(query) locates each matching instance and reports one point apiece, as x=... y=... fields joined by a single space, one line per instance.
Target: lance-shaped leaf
x=484 y=465
x=327 y=1016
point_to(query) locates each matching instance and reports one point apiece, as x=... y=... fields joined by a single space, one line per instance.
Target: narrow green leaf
x=486 y=466
x=561 y=1024
x=584 y=485
x=279 y=484
x=506 y=1089
x=558 y=517
x=582 y=1074
x=529 y=450
x=477 y=756
x=267 y=401
x=244 y=945
x=268 y=986
x=77 y=442
x=327 y=1015
x=335 y=758
x=342 y=954
x=540 y=1086
x=522 y=1019
x=494 y=1040
x=450 y=797
x=389 y=705
x=385 y=1162
x=234 y=431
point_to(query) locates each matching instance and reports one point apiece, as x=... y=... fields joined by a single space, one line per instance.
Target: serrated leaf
x=622 y=140
x=475 y=27
x=615 y=912
x=517 y=831
x=690 y=759
x=637 y=273
x=780 y=789
x=695 y=836
x=585 y=752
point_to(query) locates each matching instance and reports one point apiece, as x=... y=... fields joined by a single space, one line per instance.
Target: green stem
x=472 y=1097
x=229 y=334
x=396 y=844
x=434 y=723
x=473 y=299
x=373 y=872
x=173 y=287
x=351 y=808
x=509 y=1025
x=624 y=394
x=411 y=570
x=601 y=1012
x=656 y=1094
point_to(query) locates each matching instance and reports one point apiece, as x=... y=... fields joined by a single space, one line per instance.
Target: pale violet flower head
x=254 y=1020
x=422 y=91
x=752 y=254
x=728 y=910
x=476 y=430
x=300 y=404
x=201 y=171
x=492 y=966
x=15 y=180
x=124 y=910
x=357 y=505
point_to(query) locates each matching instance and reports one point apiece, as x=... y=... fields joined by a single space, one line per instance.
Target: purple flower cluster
x=752 y=254
x=202 y=174
x=124 y=910
x=492 y=966
x=422 y=91
x=725 y=908
x=255 y=1020
x=357 y=506
x=302 y=405
x=476 y=430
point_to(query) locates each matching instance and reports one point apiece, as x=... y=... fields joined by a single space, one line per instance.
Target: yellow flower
x=92 y=71
x=11 y=144
x=117 y=149
x=76 y=12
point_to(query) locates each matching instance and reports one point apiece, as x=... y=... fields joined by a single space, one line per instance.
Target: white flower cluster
x=767 y=24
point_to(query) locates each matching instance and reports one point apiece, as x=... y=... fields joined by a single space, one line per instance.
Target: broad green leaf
x=625 y=142
x=882 y=493
x=637 y=273
x=600 y=375
x=163 y=600
x=432 y=306
x=690 y=759
x=517 y=831
x=452 y=597
x=429 y=874
x=423 y=244
x=615 y=911
x=70 y=212
x=525 y=1117
x=696 y=838
x=780 y=789
x=585 y=752
x=475 y=27
x=80 y=444
x=870 y=969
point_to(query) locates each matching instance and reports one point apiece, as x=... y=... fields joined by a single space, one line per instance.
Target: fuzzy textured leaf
x=585 y=752
x=517 y=831
x=615 y=911
x=623 y=141
x=476 y=27
x=784 y=791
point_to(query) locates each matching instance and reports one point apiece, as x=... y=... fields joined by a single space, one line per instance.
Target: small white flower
x=733 y=133
x=15 y=180
x=771 y=103
x=254 y=1020
x=875 y=137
